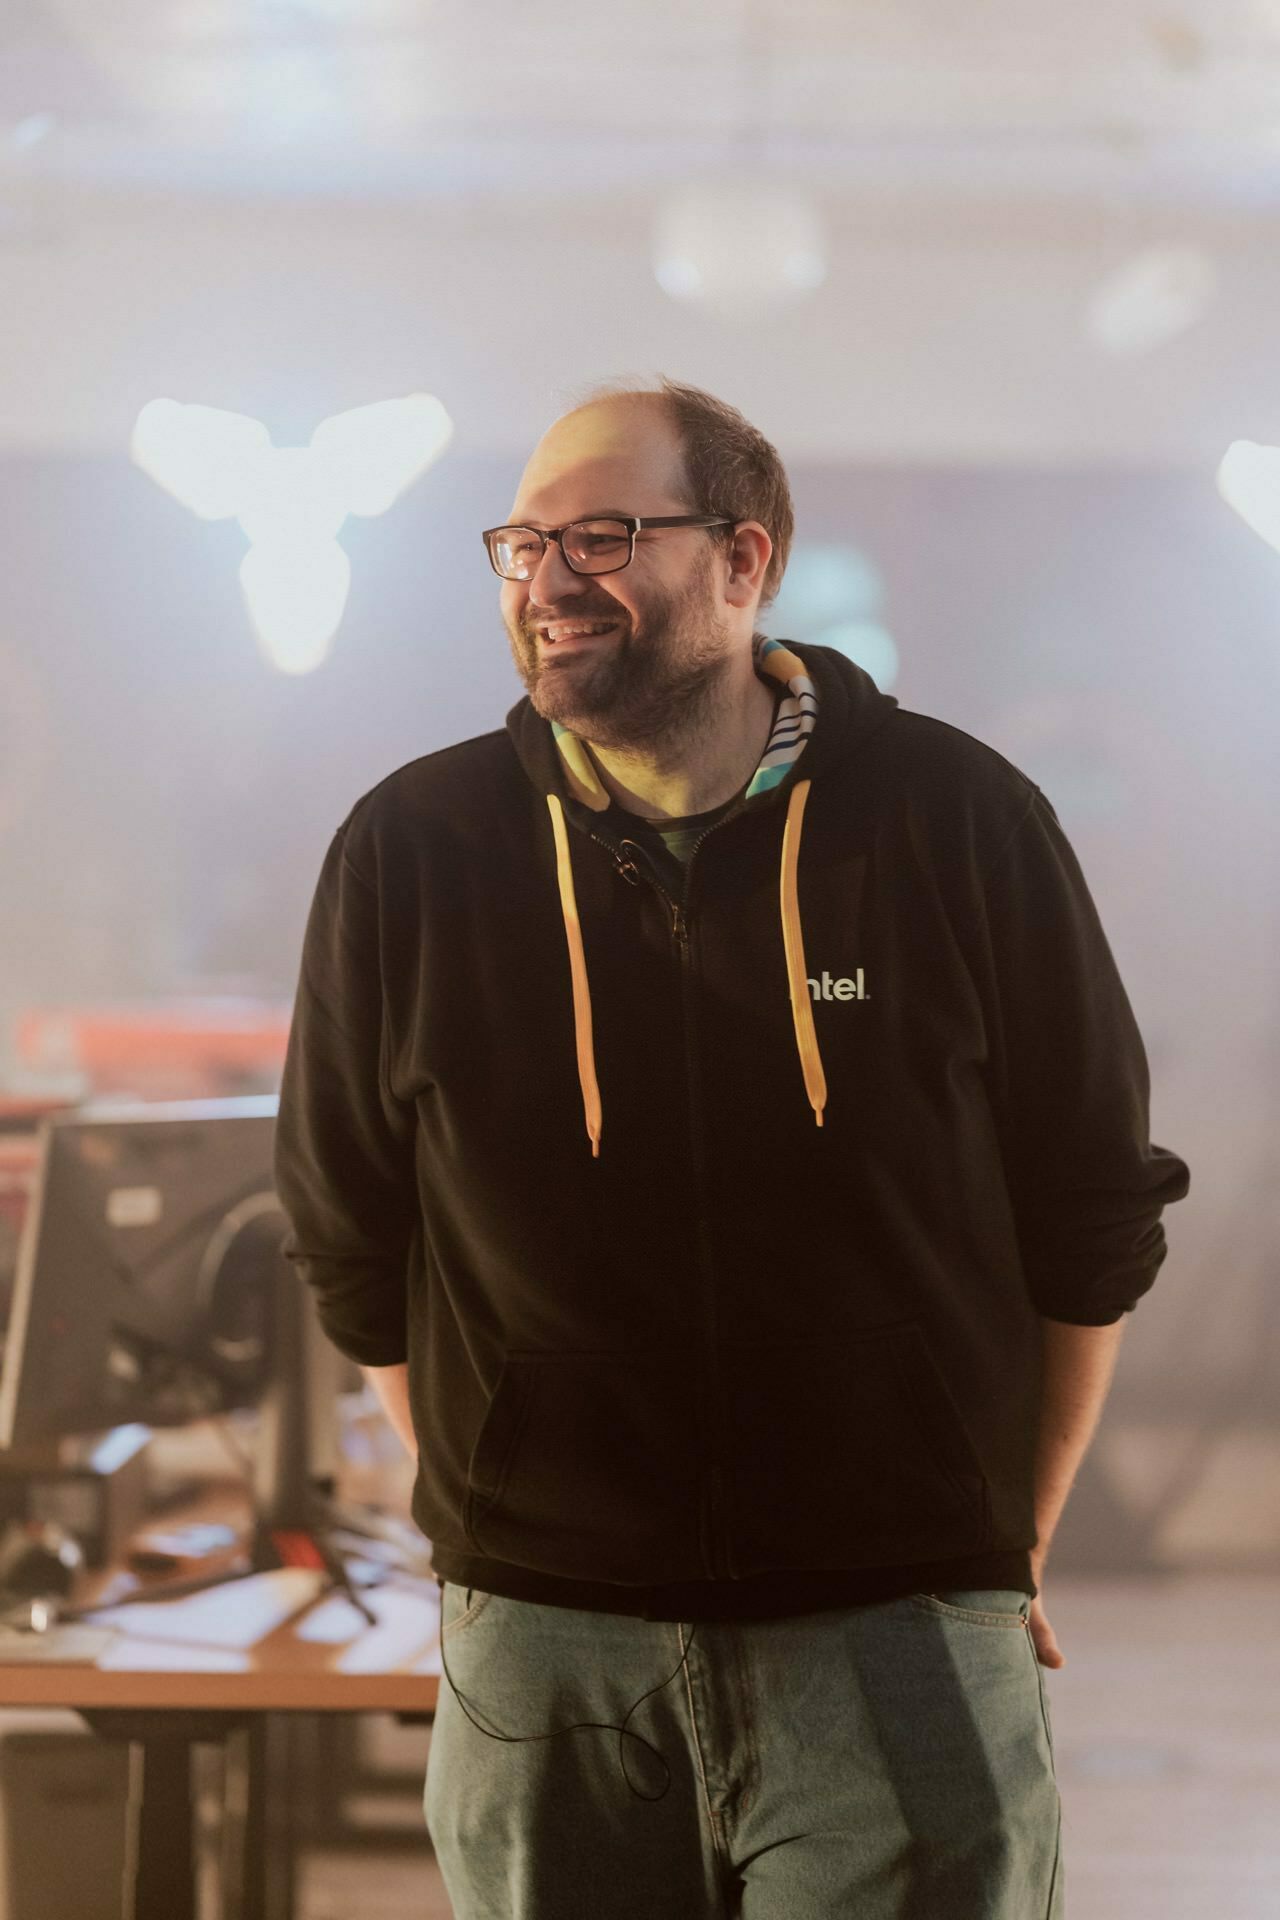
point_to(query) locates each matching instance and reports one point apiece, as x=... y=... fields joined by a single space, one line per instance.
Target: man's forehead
x=599 y=460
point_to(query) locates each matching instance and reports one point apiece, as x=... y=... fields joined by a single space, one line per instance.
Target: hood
x=827 y=706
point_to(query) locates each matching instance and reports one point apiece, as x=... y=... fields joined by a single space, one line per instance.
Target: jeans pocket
x=460 y=1607
x=998 y=1607
x=1044 y=1713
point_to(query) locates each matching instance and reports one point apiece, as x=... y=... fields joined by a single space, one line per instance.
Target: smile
x=574 y=636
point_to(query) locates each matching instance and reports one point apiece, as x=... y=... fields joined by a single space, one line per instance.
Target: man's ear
x=745 y=551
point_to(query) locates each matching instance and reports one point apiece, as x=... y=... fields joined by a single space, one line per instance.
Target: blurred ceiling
x=372 y=98
x=288 y=207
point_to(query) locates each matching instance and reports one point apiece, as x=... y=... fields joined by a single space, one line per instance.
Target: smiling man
x=714 y=1120
x=667 y=695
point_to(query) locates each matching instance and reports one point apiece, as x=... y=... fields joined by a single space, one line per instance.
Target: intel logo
x=843 y=989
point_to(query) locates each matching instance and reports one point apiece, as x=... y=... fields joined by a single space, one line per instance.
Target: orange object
x=197 y=1048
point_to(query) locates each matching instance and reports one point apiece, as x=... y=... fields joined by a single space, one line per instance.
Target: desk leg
x=160 y=1855
x=159 y=1846
x=269 y=1840
x=159 y=1871
x=160 y=1850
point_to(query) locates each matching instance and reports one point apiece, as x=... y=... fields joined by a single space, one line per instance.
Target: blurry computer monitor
x=151 y=1287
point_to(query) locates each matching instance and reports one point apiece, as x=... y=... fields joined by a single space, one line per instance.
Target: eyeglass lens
x=590 y=546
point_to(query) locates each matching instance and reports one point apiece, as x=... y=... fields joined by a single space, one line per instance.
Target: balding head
x=620 y=453
x=720 y=462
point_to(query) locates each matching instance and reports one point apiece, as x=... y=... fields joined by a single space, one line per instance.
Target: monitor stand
x=294 y=1516
x=293 y=1521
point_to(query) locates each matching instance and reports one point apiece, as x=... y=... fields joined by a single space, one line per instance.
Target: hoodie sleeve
x=344 y=1146
x=1069 y=1085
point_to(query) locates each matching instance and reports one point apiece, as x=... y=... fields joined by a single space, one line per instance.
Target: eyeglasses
x=588 y=546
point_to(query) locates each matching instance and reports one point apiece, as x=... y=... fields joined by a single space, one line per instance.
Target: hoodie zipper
x=719 y=1557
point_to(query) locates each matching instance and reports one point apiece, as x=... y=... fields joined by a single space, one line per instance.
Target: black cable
x=607 y=1726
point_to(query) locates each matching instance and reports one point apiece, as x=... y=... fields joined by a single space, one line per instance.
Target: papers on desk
x=69 y=1645
x=336 y=1620
x=408 y=1623
x=157 y=1656
x=235 y=1615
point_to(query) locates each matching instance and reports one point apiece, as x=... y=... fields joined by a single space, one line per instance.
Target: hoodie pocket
x=850 y=1451
x=586 y=1466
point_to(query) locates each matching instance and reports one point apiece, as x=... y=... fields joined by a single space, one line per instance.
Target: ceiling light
x=1249 y=481
x=739 y=250
x=1152 y=298
x=291 y=501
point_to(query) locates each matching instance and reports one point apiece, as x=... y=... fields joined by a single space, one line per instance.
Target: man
x=714 y=1121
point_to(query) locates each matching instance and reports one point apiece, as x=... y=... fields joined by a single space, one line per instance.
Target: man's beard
x=651 y=687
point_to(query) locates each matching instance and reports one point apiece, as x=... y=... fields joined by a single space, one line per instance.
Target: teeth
x=573 y=633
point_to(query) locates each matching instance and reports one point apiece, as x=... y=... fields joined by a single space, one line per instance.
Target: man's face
x=650 y=680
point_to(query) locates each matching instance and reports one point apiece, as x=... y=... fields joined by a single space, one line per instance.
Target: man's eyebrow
x=596 y=513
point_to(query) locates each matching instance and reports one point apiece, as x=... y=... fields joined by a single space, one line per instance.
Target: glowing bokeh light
x=831 y=596
x=291 y=501
x=1248 y=480
x=826 y=581
x=296 y=593
x=867 y=644
x=738 y=250
x=1152 y=298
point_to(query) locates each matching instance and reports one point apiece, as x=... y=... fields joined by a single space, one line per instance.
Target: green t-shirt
x=669 y=843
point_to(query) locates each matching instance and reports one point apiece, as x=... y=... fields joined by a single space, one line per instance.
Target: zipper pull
x=628 y=868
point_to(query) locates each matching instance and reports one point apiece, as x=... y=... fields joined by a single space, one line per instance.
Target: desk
x=162 y=1696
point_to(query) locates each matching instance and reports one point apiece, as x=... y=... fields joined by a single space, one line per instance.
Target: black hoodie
x=714 y=1206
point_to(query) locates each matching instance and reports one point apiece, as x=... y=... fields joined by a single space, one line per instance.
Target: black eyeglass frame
x=631 y=522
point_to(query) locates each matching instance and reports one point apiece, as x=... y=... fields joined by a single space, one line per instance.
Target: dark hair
x=729 y=466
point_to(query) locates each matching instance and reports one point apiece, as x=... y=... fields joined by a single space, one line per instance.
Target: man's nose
x=551 y=576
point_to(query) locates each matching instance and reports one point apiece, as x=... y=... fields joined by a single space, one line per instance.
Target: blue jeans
x=883 y=1762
